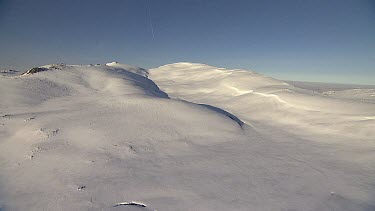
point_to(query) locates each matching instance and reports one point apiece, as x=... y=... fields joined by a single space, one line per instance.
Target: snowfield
x=182 y=136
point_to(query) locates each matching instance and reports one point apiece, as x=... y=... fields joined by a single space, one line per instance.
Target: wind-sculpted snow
x=105 y=137
x=130 y=68
x=258 y=99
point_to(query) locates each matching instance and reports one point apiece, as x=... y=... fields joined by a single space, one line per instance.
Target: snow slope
x=105 y=137
x=363 y=93
x=257 y=99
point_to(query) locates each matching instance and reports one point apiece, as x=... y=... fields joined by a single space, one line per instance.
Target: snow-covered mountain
x=8 y=72
x=182 y=136
x=266 y=102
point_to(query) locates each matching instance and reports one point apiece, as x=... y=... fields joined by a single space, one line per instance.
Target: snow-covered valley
x=182 y=136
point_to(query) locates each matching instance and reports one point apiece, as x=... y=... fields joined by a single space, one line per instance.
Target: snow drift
x=179 y=137
x=261 y=100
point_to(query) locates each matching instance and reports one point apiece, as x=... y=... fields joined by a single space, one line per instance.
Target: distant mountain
x=9 y=72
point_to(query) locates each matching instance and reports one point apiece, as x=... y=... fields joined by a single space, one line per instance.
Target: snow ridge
x=253 y=97
x=181 y=136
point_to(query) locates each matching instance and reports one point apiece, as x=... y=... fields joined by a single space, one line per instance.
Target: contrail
x=149 y=18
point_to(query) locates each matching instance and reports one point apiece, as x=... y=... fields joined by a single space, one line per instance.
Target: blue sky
x=309 y=40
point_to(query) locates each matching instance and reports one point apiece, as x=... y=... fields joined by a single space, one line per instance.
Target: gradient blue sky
x=309 y=40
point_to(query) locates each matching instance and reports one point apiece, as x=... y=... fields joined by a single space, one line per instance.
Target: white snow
x=119 y=137
x=268 y=102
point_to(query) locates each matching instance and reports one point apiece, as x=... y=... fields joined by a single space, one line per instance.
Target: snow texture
x=183 y=136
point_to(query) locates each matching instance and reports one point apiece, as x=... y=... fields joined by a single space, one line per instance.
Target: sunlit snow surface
x=182 y=136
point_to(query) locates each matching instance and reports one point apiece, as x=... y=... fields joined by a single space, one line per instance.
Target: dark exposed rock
x=81 y=187
x=48 y=67
x=35 y=70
